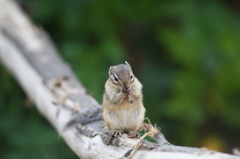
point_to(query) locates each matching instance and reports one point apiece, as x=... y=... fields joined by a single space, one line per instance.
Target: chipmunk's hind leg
x=134 y=134
x=115 y=133
x=111 y=136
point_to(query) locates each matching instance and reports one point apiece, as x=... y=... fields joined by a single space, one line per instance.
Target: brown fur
x=120 y=111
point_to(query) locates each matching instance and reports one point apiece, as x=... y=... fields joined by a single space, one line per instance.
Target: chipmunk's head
x=122 y=76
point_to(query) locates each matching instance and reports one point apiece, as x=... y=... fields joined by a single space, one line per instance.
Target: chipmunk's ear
x=111 y=71
x=126 y=63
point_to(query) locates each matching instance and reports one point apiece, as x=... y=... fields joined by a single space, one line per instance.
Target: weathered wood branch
x=28 y=53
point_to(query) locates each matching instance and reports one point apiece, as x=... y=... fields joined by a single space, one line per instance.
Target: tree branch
x=28 y=53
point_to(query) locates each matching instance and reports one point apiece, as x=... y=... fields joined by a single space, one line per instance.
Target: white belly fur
x=128 y=119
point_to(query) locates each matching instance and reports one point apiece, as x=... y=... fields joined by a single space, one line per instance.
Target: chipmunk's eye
x=132 y=79
x=115 y=78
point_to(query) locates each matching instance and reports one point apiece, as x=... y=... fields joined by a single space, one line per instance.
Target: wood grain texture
x=28 y=53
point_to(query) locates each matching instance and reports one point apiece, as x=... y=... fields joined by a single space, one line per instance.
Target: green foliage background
x=186 y=54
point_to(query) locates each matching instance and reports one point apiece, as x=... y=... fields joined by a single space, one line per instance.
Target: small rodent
x=123 y=110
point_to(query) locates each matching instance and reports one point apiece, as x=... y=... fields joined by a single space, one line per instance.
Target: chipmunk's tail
x=85 y=117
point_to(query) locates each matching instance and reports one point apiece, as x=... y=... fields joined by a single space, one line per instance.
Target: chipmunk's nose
x=127 y=91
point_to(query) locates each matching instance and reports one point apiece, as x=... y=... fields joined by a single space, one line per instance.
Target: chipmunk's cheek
x=119 y=91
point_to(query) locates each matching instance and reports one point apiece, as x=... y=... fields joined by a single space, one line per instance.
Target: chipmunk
x=123 y=110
